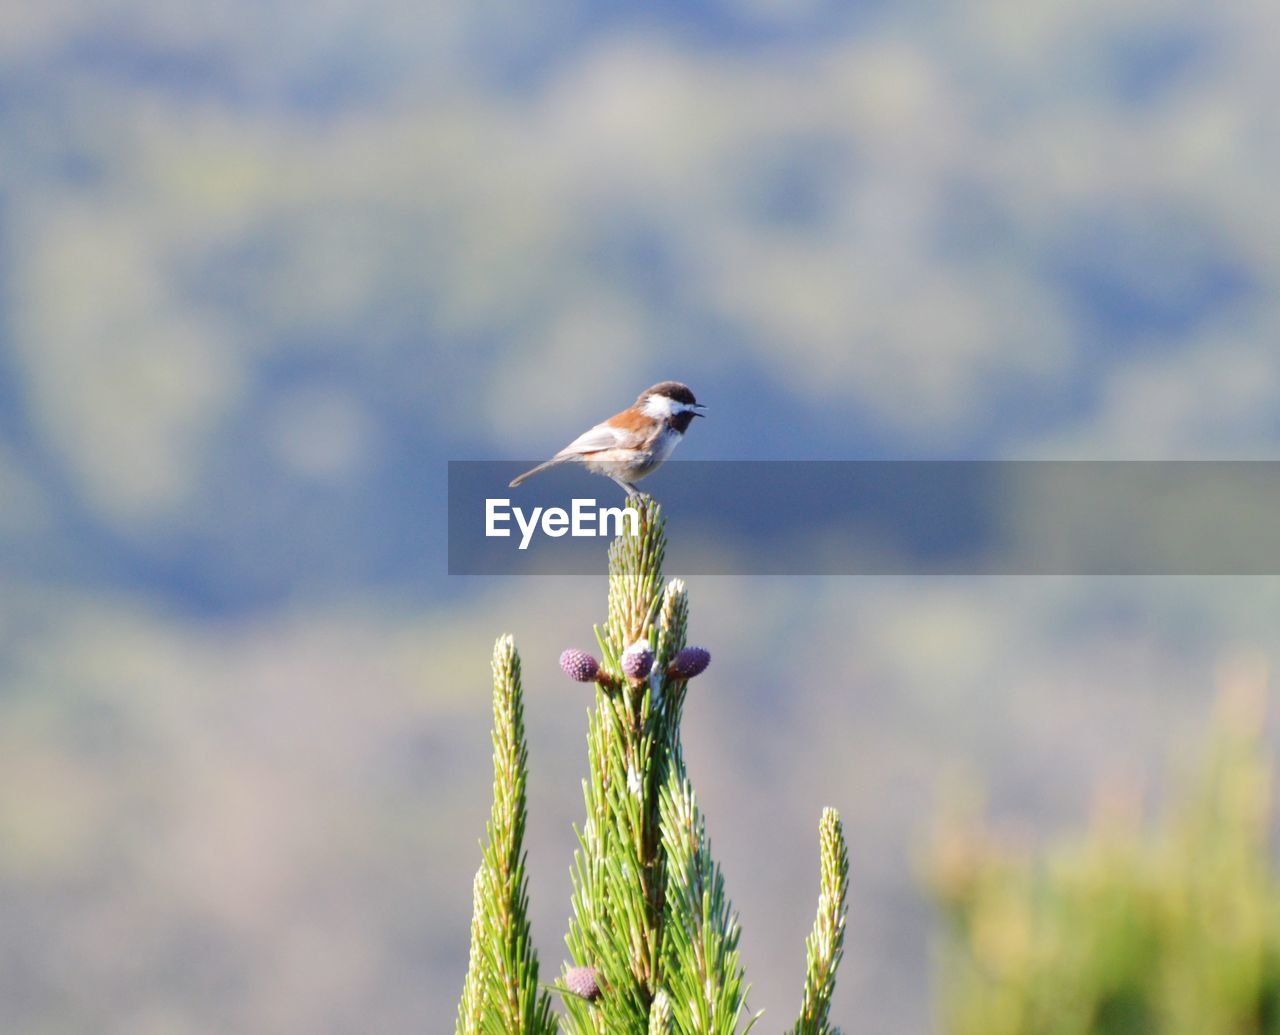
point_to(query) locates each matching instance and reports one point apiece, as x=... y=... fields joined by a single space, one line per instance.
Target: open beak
x=698 y=408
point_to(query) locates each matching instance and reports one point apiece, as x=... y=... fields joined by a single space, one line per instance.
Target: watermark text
x=584 y=518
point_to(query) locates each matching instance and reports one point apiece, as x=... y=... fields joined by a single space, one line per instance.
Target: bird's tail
x=553 y=462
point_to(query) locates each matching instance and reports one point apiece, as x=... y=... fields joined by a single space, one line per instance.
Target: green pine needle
x=825 y=945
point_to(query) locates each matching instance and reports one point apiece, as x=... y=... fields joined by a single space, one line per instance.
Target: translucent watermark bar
x=884 y=518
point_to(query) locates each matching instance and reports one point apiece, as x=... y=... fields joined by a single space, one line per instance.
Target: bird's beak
x=698 y=408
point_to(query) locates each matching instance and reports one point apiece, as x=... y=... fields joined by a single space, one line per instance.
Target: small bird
x=635 y=442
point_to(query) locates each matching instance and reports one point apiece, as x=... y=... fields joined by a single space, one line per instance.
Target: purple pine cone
x=579 y=666
x=584 y=982
x=637 y=660
x=690 y=662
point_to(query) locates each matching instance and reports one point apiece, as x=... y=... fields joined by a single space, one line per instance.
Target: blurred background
x=265 y=267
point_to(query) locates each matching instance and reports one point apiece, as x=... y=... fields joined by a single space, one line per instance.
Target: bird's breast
x=664 y=442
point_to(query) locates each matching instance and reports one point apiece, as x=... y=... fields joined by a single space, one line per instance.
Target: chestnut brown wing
x=617 y=432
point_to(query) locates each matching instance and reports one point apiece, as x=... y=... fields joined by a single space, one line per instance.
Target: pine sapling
x=653 y=937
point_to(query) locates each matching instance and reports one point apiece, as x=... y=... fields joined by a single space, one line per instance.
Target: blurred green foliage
x=1170 y=929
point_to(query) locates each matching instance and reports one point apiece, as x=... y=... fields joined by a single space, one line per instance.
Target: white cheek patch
x=658 y=407
x=661 y=407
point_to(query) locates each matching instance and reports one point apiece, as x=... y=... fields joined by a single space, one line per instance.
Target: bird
x=634 y=443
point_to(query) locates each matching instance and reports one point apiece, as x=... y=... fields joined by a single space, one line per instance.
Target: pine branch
x=705 y=979
x=501 y=995
x=672 y=629
x=825 y=945
x=618 y=883
x=635 y=576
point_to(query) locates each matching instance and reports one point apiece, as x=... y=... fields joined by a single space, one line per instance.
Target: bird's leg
x=625 y=486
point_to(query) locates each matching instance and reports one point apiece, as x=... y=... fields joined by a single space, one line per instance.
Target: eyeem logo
x=584 y=518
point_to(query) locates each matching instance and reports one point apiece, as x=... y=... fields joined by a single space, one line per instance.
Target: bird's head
x=670 y=401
